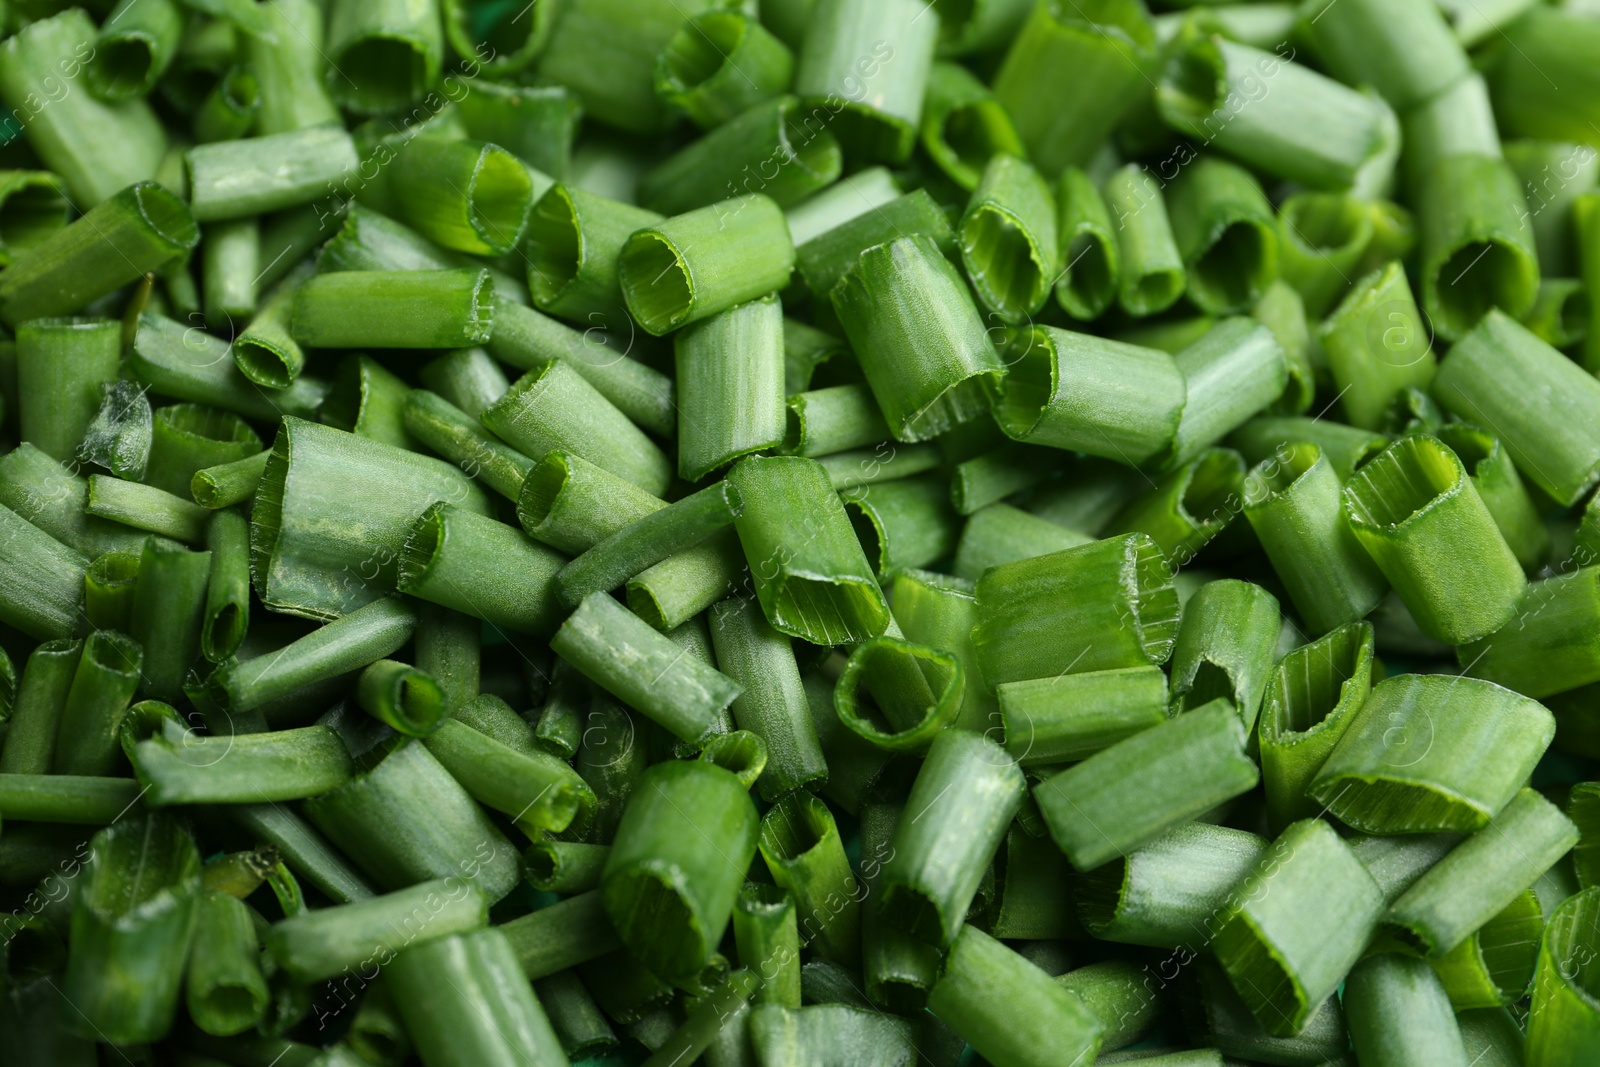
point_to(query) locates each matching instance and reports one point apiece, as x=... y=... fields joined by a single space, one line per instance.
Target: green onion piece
x=33 y=208
x=540 y=792
x=288 y=58
x=402 y=696
x=1492 y=1037
x=108 y=588
x=899 y=695
x=611 y=757
x=394 y=309
x=230 y=108
x=694 y=265
x=963 y=125
x=295 y=233
x=140 y=229
x=1419 y=516
x=1226 y=235
x=967 y=28
x=266 y=351
x=1008 y=1009
x=1504 y=378
x=829 y=1033
x=1494 y=966
x=1582 y=809
x=565 y=867
x=772 y=704
x=187 y=438
x=869 y=69
x=169 y=612
x=1563 y=1027
x=1133 y=792
x=1104 y=605
x=97 y=148
x=1008 y=239
x=677 y=863
x=382 y=57
x=1400 y=769
x=132 y=921
x=553 y=408
x=1073 y=716
x=1153 y=275
x=912 y=323
x=907 y=523
x=884 y=463
x=466 y=196
x=1232 y=372
x=1001 y=533
x=1396 y=863
x=66 y=798
x=467 y=378
x=845 y=200
x=719 y=64
x=729 y=387
x=177 y=361
x=41 y=581
x=733 y=159
x=145 y=507
x=1564 y=44
x=177 y=767
x=407 y=820
x=937 y=611
x=572 y=504
x=118 y=437
x=302 y=848
x=448 y=647
x=229 y=269
x=558 y=729
x=561 y=935
x=802 y=849
x=710 y=1017
x=1561 y=314
x=482 y=568
x=506 y=41
x=681 y=586
x=1118 y=994
x=575 y=238
x=1188 y=508
x=1169 y=893
x=30 y=738
x=460 y=438
x=1313 y=696
x=623 y=655
x=1477 y=253
x=934 y=866
x=1344 y=447
x=62 y=368
x=1555 y=177
x=1029 y=903
x=1059 y=50
x=1225 y=1021
x=1281 y=310
x=768 y=937
x=1089 y=258
x=373 y=493
x=1405 y=50
x=1377 y=346
x=228 y=484
x=1283 y=967
x=1225 y=647
x=897 y=968
x=103 y=684
x=237 y=179
x=1399 y=1013
x=830 y=255
x=1322 y=238
x=1498 y=484
x=368 y=400
x=1456 y=122
x=836 y=419
x=225 y=990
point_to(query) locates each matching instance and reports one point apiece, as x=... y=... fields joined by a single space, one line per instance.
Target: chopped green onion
x=802 y=849
x=62 y=365
x=1494 y=966
x=1225 y=647
x=1496 y=479
x=1001 y=533
x=460 y=438
x=1152 y=275
x=237 y=179
x=1404 y=49
x=66 y=798
x=169 y=612
x=539 y=792
x=719 y=64
x=1477 y=252
x=466 y=196
x=467 y=379
x=1563 y=1026
x=897 y=694
x=964 y=125
x=145 y=507
x=108 y=589
x=224 y=988
x=229 y=110
x=394 y=309
x=1544 y=83
x=1344 y=447
x=1399 y=1013
x=1377 y=346
x=103 y=684
x=767 y=934
x=382 y=57
x=1232 y=372
x=1322 y=239
x=575 y=239
x=177 y=767
x=228 y=484
x=1089 y=257
x=1008 y=239
x=1073 y=716
x=184 y=364
x=1188 y=508
x=729 y=387
x=1226 y=235
x=483 y=568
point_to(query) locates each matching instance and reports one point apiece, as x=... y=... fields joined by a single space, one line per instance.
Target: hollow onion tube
x=1494 y=966
x=883 y=463
x=906 y=523
x=1504 y=378
x=33 y=206
x=937 y=612
x=1314 y=695
x=1482 y=875
x=539 y=792
x=811 y=576
x=225 y=990
x=62 y=367
x=1405 y=50
x=1561 y=314
x=1283 y=967
x=729 y=386
x=1073 y=716
x=177 y=767
x=1225 y=647
x=1420 y=518
x=1152 y=275
x=897 y=968
x=571 y=504
x=1344 y=447
x=70 y=799
x=186 y=438
x=229 y=110
x=1232 y=372
x=30 y=739
x=1104 y=605
x=835 y=419
x=1546 y=648
x=88 y=733
x=228 y=484
x=1399 y=1013
x=719 y=64
x=897 y=694
x=142 y=228
x=466 y=196
x=252 y=176
x=963 y=125
x=829 y=256
x=326 y=942
x=169 y=610
x=802 y=849
x=622 y=654
x=229 y=268
x=1477 y=253
x=1496 y=479
x=466 y=378
x=1563 y=1027
x=1089 y=259
x=1184 y=511
x=934 y=866
x=1376 y=346
x=734 y=158
x=1010 y=1010
x=332 y=515
x=394 y=309
x=1092 y=394
x=554 y=408
x=480 y=567
x=1170 y=892
x=1562 y=43
x=405 y=698
x=147 y=508
x=1138 y=789
x=266 y=351
x=41 y=580
x=460 y=438
x=918 y=336
x=681 y=586
x=768 y=939
x=868 y=67
x=132 y=920
x=1432 y=752
x=73 y=133
x=177 y=361
x=677 y=864
x=1322 y=238
x=108 y=589
x=574 y=240
x=1225 y=1021
x=1226 y=235
x=382 y=57
x=1008 y=239
x=1060 y=49
x=678 y=526
x=694 y=265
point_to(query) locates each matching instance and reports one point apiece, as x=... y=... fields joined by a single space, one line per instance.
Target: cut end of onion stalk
x=899 y=695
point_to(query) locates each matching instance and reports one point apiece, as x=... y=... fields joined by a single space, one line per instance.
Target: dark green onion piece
x=1133 y=792
x=1224 y=1020
x=33 y=206
x=1225 y=647
x=937 y=612
x=1502 y=377
x=1322 y=238
x=572 y=504
x=177 y=767
x=169 y=612
x=830 y=255
x=1492 y=1037
x=187 y=438
x=266 y=351
x=1498 y=484
x=238 y=179
x=1104 y=605
x=1009 y=1010
x=1152 y=275
x=867 y=68
x=802 y=849
x=1564 y=1027
x=1225 y=232
x=899 y=695
x=539 y=792
x=41 y=581
x=228 y=484
x=467 y=379
x=1232 y=372
x=382 y=57
x=229 y=269
x=1420 y=518
x=694 y=265
x=817 y=586
x=109 y=586
x=226 y=612
x=906 y=523
x=448 y=646
x=460 y=438
x=1546 y=648
x=575 y=238
x=1282 y=966
x=107 y=674
x=225 y=990
x=483 y=568
x=1483 y=875
x=729 y=387
x=66 y=798
x=1399 y=1013
x=1090 y=258
x=302 y=848
x=1495 y=965
x=835 y=419
x=1028 y=902
x=1377 y=345
x=1059 y=50
x=30 y=738
x=1073 y=716
x=683 y=585
x=1562 y=313
x=884 y=463
x=407 y=699
x=565 y=867
x=1188 y=508
x=677 y=527
x=145 y=507
x=963 y=125
x=934 y=866
x=394 y=309
x=912 y=323
x=1432 y=752
x=719 y=64
x=1008 y=239
x=1118 y=993
x=1477 y=253
x=64 y=368
x=230 y=108
x=767 y=934
x=897 y=968
x=562 y=935
x=465 y=196
x=177 y=361
x=1313 y=696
